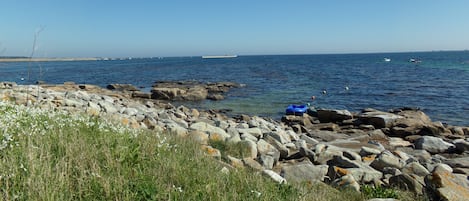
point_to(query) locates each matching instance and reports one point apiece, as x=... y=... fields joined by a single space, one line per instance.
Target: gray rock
x=198 y=136
x=379 y=119
x=122 y=87
x=205 y=127
x=399 y=142
x=107 y=107
x=281 y=137
x=308 y=139
x=420 y=154
x=253 y=164
x=352 y=155
x=256 y=132
x=377 y=134
x=365 y=174
x=247 y=136
x=305 y=172
x=324 y=156
x=387 y=159
x=251 y=148
x=176 y=129
x=267 y=161
x=264 y=148
x=366 y=151
x=284 y=151
x=327 y=135
x=461 y=145
x=326 y=116
x=292 y=134
x=408 y=182
x=73 y=102
x=433 y=145
x=462 y=162
x=129 y=111
x=416 y=169
x=94 y=106
x=343 y=162
x=444 y=185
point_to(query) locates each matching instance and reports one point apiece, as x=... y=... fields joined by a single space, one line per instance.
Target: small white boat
x=413 y=60
x=387 y=59
x=219 y=56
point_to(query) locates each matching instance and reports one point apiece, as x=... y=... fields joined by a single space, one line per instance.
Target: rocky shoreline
x=401 y=147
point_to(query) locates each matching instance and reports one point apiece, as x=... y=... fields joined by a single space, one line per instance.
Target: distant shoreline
x=47 y=59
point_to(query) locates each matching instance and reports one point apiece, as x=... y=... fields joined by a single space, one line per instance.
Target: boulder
x=140 y=94
x=461 y=145
x=387 y=159
x=167 y=93
x=304 y=172
x=444 y=185
x=365 y=174
x=256 y=132
x=416 y=169
x=196 y=93
x=326 y=116
x=122 y=87
x=215 y=97
x=253 y=164
x=379 y=119
x=462 y=162
x=205 y=127
x=408 y=182
x=434 y=145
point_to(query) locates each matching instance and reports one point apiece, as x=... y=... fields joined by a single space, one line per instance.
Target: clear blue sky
x=89 y=28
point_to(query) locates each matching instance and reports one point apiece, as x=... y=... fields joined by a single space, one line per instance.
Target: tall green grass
x=48 y=155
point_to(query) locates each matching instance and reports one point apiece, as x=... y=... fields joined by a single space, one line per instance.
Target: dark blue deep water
x=439 y=85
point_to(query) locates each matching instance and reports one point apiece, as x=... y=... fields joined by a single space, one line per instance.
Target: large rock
x=415 y=122
x=433 y=145
x=444 y=185
x=379 y=119
x=461 y=145
x=196 y=93
x=326 y=116
x=211 y=130
x=167 y=93
x=408 y=182
x=462 y=162
x=122 y=87
x=387 y=159
x=190 y=90
x=304 y=172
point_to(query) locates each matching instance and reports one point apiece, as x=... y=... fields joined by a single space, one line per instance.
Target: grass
x=48 y=155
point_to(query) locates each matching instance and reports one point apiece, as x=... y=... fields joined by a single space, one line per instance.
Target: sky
x=148 y=28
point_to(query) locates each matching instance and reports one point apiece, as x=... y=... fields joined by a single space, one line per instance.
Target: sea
x=438 y=83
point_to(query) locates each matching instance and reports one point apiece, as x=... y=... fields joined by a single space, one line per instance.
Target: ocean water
x=439 y=85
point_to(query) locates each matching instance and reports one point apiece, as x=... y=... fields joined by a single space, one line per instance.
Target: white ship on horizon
x=219 y=56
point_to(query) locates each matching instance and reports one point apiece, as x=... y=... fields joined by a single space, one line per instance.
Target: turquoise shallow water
x=439 y=85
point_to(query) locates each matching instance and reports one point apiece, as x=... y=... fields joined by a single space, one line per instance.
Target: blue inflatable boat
x=296 y=109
